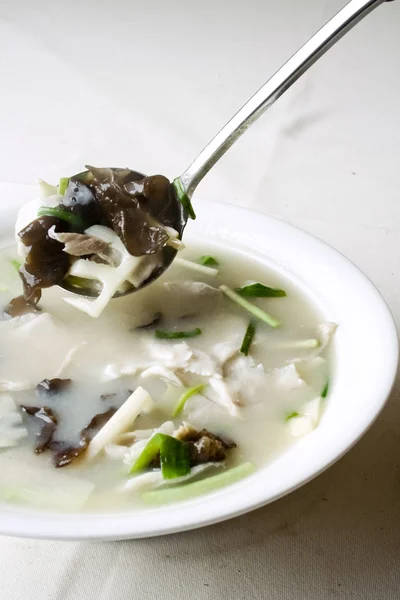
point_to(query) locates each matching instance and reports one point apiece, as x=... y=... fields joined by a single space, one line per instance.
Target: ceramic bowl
x=366 y=355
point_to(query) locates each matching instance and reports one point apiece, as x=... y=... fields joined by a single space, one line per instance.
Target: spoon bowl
x=169 y=253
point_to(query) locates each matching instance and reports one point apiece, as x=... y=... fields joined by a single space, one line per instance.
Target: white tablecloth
x=146 y=83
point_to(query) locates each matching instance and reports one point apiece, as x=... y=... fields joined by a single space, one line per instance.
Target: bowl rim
x=218 y=506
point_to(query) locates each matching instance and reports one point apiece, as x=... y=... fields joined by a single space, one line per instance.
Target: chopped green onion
x=174 y=456
x=325 y=391
x=208 y=260
x=65 y=215
x=254 y=310
x=185 y=397
x=183 y=198
x=196 y=488
x=258 y=290
x=248 y=338
x=292 y=415
x=176 y=335
x=16 y=264
x=148 y=454
x=62 y=186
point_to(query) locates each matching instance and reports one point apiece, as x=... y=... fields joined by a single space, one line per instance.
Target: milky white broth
x=112 y=338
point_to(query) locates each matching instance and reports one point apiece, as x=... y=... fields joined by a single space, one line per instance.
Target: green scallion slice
x=325 y=391
x=208 y=260
x=258 y=290
x=62 y=186
x=248 y=338
x=292 y=415
x=183 y=198
x=185 y=397
x=174 y=456
x=16 y=264
x=65 y=215
x=251 y=308
x=176 y=335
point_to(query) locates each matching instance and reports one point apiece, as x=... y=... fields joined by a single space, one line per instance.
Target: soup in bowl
x=238 y=375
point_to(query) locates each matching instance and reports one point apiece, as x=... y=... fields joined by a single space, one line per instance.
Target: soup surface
x=181 y=332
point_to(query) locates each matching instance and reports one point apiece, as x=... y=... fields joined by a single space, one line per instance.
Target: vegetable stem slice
x=138 y=402
x=174 y=456
x=248 y=338
x=176 y=335
x=208 y=260
x=185 y=397
x=188 y=490
x=60 y=213
x=183 y=198
x=302 y=344
x=254 y=310
x=62 y=186
x=258 y=290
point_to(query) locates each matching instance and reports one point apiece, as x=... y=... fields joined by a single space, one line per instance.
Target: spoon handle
x=298 y=64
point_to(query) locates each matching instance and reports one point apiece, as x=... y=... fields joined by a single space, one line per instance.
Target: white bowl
x=366 y=352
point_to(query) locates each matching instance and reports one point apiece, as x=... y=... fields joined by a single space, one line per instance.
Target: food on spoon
x=105 y=230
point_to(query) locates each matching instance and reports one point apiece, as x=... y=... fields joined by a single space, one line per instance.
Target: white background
x=145 y=84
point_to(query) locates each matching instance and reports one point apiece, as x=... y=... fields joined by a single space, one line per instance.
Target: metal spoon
x=298 y=64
